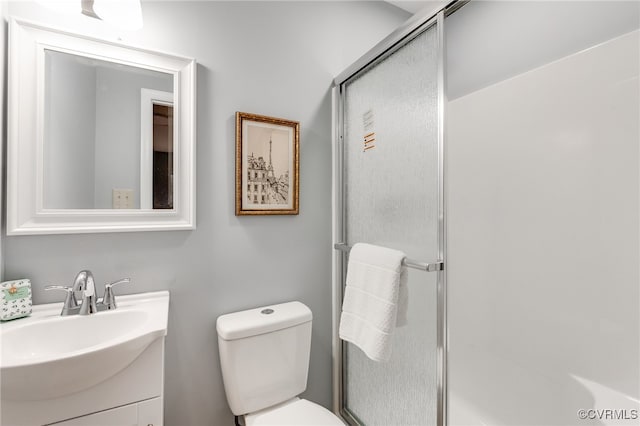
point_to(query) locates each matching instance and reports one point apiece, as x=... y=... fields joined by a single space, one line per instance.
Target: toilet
x=264 y=356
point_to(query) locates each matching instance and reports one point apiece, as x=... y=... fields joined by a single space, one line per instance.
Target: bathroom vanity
x=105 y=368
x=126 y=165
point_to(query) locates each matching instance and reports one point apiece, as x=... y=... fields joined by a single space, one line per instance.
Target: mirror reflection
x=108 y=135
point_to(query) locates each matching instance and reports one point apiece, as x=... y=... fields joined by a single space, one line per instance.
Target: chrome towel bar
x=409 y=263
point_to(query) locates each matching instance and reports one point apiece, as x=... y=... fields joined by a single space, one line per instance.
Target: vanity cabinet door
x=150 y=412
x=121 y=416
x=145 y=413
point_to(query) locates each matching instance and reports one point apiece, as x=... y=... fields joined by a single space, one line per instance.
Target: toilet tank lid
x=266 y=319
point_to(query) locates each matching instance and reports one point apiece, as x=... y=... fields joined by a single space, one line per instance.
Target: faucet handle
x=109 y=299
x=70 y=301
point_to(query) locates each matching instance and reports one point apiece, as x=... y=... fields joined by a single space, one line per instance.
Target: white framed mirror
x=101 y=136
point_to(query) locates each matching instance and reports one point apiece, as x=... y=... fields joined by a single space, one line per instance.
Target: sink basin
x=47 y=356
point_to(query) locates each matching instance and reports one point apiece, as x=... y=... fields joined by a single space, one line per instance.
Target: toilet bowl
x=264 y=357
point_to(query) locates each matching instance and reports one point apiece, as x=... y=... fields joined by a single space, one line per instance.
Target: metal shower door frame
x=387 y=47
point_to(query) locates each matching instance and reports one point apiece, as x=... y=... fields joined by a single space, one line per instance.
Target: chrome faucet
x=84 y=288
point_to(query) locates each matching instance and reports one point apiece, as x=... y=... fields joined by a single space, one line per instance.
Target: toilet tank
x=264 y=355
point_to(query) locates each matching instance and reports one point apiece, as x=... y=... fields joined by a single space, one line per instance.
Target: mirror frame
x=25 y=212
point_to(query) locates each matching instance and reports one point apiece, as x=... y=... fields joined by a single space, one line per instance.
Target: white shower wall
x=543 y=243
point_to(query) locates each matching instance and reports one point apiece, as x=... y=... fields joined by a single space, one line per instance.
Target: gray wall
x=269 y=58
x=531 y=34
x=70 y=121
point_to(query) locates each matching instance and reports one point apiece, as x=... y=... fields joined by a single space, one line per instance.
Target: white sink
x=47 y=356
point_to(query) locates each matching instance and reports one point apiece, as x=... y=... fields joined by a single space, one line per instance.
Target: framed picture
x=267 y=165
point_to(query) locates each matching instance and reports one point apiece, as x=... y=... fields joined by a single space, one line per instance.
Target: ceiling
x=411 y=6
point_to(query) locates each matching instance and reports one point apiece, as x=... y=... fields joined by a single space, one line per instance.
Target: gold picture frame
x=267 y=165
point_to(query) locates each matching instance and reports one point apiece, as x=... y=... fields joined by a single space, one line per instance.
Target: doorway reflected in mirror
x=162 y=156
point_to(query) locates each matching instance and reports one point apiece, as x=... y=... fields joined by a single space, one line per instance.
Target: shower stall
x=497 y=145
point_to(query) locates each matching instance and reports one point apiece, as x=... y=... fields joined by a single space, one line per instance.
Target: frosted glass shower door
x=391 y=197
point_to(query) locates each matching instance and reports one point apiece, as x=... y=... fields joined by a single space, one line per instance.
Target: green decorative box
x=15 y=299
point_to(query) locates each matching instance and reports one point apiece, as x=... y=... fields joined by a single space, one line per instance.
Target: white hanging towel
x=375 y=299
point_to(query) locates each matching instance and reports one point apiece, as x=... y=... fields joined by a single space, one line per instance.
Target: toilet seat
x=295 y=412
